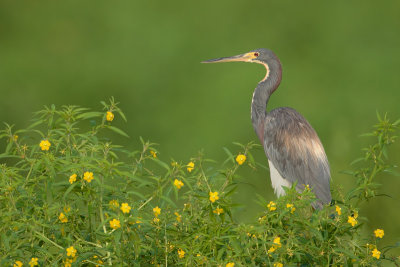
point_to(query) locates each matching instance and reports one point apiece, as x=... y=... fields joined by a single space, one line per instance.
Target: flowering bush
x=63 y=182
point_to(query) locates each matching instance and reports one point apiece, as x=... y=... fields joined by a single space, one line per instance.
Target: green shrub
x=69 y=196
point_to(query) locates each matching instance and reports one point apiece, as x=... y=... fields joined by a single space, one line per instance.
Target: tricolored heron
x=291 y=145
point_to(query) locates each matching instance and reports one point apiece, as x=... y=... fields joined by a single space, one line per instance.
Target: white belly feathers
x=277 y=180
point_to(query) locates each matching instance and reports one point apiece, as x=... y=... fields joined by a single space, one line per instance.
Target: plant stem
x=48 y=240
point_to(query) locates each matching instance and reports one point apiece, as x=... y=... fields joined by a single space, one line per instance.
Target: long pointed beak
x=243 y=57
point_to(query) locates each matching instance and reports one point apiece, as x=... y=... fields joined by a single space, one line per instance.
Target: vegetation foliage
x=72 y=197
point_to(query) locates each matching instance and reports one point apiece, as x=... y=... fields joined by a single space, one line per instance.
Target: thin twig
x=87 y=242
x=145 y=203
x=48 y=240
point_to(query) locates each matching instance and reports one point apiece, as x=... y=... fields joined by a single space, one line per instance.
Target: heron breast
x=277 y=180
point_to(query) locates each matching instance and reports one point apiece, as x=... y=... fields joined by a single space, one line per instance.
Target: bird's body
x=295 y=151
x=291 y=145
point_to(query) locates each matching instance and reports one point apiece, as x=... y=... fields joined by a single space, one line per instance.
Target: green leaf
x=239 y=144
x=348 y=172
x=230 y=156
x=396 y=122
x=37 y=123
x=186 y=182
x=117 y=130
x=261 y=201
x=5 y=241
x=378 y=116
x=221 y=252
x=392 y=172
x=357 y=160
x=230 y=192
x=169 y=201
x=141 y=197
x=161 y=163
x=122 y=115
x=89 y=115
x=69 y=190
x=5 y=155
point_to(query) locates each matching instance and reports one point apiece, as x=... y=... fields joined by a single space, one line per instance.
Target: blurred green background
x=340 y=62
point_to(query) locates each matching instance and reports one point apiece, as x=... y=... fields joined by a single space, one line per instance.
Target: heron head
x=261 y=55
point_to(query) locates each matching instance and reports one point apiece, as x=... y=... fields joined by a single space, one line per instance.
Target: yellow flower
x=33 y=262
x=18 y=264
x=190 y=166
x=271 y=206
x=338 y=210
x=181 y=253
x=278 y=264
x=355 y=214
x=240 y=159
x=114 y=204
x=376 y=253
x=45 y=145
x=115 y=224
x=63 y=218
x=15 y=138
x=125 y=208
x=156 y=220
x=218 y=211
x=178 y=217
x=213 y=196
x=109 y=116
x=72 y=178
x=307 y=187
x=277 y=242
x=230 y=264
x=291 y=207
x=100 y=262
x=178 y=183
x=271 y=249
x=67 y=209
x=71 y=251
x=379 y=233
x=153 y=153
x=88 y=176
x=351 y=220
x=156 y=211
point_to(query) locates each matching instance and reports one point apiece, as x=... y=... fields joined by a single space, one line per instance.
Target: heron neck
x=261 y=96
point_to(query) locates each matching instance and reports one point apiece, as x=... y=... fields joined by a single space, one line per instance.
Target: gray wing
x=294 y=148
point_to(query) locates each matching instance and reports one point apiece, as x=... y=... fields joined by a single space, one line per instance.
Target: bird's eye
x=256 y=54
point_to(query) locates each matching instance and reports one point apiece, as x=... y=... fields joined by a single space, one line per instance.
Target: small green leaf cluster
x=375 y=160
x=71 y=197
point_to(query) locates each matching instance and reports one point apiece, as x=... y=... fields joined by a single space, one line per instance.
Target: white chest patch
x=277 y=181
